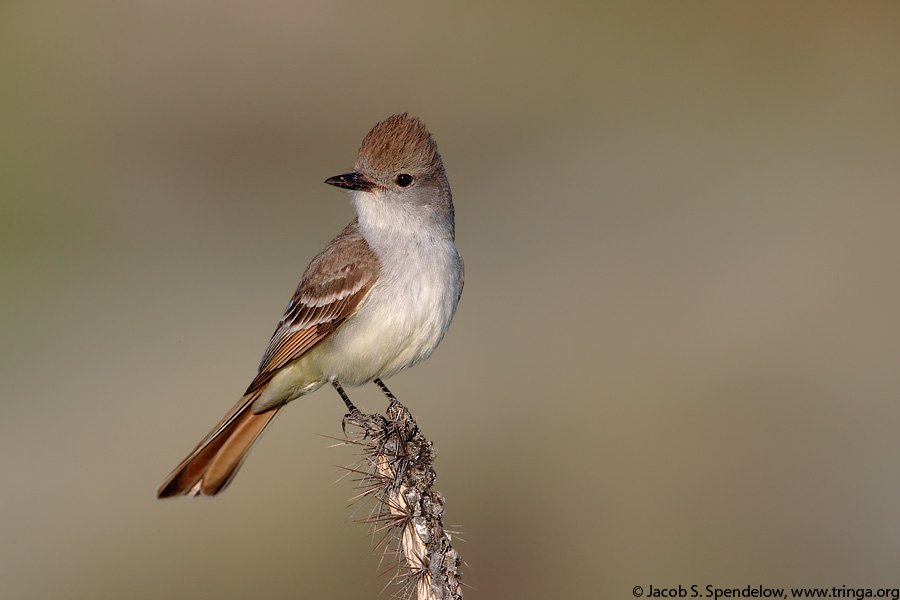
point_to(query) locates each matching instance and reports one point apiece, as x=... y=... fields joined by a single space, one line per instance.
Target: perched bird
x=376 y=301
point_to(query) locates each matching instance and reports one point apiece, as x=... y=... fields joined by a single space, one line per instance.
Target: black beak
x=351 y=181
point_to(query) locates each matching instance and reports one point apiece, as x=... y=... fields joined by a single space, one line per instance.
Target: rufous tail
x=214 y=462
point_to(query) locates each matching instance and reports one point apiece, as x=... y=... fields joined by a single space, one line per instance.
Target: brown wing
x=331 y=290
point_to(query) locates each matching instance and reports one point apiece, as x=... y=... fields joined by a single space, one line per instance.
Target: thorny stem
x=399 y=474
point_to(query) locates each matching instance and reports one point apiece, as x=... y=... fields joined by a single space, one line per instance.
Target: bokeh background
x=676 y=360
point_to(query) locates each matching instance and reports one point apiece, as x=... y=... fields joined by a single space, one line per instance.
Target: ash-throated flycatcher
x=376 y=301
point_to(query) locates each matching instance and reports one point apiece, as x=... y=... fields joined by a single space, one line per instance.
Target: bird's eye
x=403 y=179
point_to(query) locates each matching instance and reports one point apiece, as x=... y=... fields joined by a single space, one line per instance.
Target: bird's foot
x=372 y=425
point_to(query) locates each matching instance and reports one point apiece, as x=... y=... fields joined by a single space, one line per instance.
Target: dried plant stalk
x=396 y=469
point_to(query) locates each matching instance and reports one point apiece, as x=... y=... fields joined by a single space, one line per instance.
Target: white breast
x=404 y=317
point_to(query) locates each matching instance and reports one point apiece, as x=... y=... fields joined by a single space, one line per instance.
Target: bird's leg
x=393 y=401
x=369 y=423
x=354 y=416
x=386 y=391
x=344 y=396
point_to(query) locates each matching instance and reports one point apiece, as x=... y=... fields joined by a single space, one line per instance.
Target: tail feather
x=214 y=462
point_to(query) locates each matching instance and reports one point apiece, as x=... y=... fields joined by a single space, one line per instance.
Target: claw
x=372 y=425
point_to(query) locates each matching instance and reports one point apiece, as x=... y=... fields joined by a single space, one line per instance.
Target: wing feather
x=331 y=290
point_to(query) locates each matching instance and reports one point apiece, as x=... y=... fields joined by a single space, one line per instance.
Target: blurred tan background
x=675 y=360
